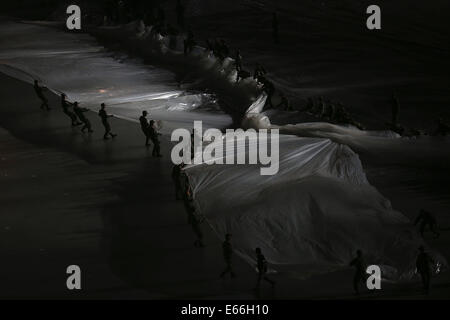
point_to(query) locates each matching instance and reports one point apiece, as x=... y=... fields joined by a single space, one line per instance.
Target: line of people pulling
x=77 y=114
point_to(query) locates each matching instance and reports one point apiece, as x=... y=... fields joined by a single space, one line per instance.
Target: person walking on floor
x=80 y=113
x=261 y=265
x=104 y=116
x=423 y=265
x=65 y=106
x=425 y=219
x=145 y=126
x=193 y=220
x=227 y=255
x=39 y=92
x=360 y=271
x=154 y=136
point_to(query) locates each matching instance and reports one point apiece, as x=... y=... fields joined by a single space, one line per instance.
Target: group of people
x=150 y=132
x=331 y=112
x=184 y=192
x=77 y=114
x=424 y=261
x=424 y=266
x=218 y=47
x=261 y=263
x=442 y=128
x=324 y=109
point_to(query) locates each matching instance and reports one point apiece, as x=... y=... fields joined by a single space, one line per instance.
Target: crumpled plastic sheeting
x=310 y=217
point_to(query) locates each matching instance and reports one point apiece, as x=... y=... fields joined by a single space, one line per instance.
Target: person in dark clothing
x=189 y=43
x=209 y=46
x=173 y=33
x=217 y=49
x=259 y=74
x=38 y=89
x=360 y=271
x=269 y=88
x=425 y=219
x=320 y=106
x=144 y=126
x=309 y=105
x=65 y=106
x=180 y=13
x=227 y=255
x=176 y=175
x=225 y=51
x=341 y=114
x=242 y=74
x=153 y=134
x=104 y=116
x=238 y=60
x=193 y=220
x=80 y=114
x=285 y=104
x=275 y=24
x=423 y=265
x=395 y=107
x=261 y=265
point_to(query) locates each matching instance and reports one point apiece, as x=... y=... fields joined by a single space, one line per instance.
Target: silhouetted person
x=80 y=114
x=225 y=51
x=154 y=136
x=180 y=13
x=360 y=271
x=65 y=106
x=189 y=43
x=269 y=88
x=194 y=151
x=176 y=176
x=227 y=255
x=144 y=126
x=261 y=265
x=423 y=265
x=238 y=60
x=217 y=49
x=192 y=219
x=104 y=116
x=320 y=106
x=425 y=219
x=173 y=33
x=309 y=105
x=328 y=111
x=209 y=46
x=324 y=110
x=275 y=24
x=341 y=115
x=38 y=89
x=242 y=74
x=259 y=73
x=285 y=104
x=395 y=108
